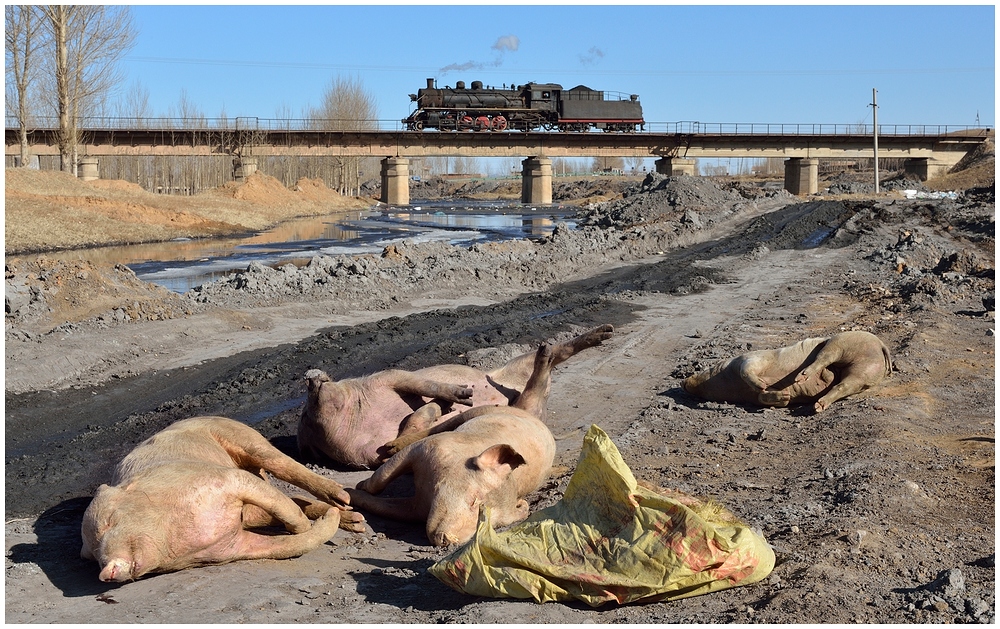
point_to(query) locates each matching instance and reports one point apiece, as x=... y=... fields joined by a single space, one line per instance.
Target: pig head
x=188 y=495
x=350 y=421
x=819 y=371
x=486 y=456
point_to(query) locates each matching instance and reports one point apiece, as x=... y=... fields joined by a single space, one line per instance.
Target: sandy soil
x=880 y=510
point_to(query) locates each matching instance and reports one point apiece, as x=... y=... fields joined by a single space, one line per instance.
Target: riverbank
x=52 y=210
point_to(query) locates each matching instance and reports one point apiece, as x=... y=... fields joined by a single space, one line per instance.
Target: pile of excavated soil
x=50 y=210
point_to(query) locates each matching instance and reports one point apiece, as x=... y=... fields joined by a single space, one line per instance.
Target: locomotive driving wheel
x=499 y=123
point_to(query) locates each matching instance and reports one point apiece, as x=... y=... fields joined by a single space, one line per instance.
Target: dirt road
x=880 y=509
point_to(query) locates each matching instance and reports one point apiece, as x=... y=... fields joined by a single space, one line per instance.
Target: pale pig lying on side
x=815 y=370
x=487 y=455
x=185 y=497
x=351 y=421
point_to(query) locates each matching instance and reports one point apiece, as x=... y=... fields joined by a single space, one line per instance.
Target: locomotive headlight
x=413 y=97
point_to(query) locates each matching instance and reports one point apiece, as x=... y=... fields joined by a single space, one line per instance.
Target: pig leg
x=535 y=394
x=364 y=497
x=515 y=374
x=421 y=419
x=797 y=391
x=254 y=492
x=392 y=508
x=827 y=356
x=405 y=382
x=590 y=338
x=251 y=451
x=249 y=545
x=849 y=385
x=255 y=517
x=405 y=439
x=750 y=372
x=397 y=465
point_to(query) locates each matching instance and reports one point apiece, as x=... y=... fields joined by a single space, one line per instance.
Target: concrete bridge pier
x=396 y=181
x=536 y=180
x=675 y=166
x=88 y=169
x=925 y=168
x=243 y=168
x=802 y=175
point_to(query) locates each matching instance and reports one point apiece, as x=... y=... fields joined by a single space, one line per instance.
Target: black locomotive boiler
x=522 y=108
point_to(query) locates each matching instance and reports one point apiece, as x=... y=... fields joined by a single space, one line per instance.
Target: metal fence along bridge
x=927 y=150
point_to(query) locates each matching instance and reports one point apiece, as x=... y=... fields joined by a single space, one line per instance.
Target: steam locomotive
x=522 y=108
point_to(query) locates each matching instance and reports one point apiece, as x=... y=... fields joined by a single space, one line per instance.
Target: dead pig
x=187 y=496
x=350 y=421
x=485 y=456
x=816 y=370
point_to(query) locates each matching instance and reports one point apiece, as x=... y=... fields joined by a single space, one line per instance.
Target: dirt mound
x=28 y=181
x=259 y=189
x=316 y=190
x=692 y=200
x=43 y=295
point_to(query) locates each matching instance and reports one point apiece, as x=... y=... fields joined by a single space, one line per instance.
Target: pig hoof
x=462 y=393
x=775 y=398
x=352 y=521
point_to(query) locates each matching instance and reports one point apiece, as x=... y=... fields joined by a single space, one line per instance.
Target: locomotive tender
x=522 y=108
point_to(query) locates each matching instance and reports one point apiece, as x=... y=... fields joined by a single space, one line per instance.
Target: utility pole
x=875 y=133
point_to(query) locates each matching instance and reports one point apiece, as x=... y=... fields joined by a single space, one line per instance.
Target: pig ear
x=501 y=459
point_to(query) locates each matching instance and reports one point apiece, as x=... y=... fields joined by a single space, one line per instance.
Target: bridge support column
x=88 y=170
x=802 y=175
x=675 y=166
x=924 y=168
x=243 y=168
x=536 y=180
x=396 y=181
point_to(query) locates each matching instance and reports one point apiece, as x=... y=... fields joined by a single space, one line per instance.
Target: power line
x=589 y=71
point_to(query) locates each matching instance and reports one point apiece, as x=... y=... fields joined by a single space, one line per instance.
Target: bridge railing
x=252 y=123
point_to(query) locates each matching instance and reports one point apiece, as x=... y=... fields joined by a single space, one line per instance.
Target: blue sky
x=776 y=64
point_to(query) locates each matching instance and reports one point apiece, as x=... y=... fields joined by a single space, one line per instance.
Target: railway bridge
x=927 y=150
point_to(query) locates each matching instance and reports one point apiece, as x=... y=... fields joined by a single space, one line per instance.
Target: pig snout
x=117 y=570
x=452 y=521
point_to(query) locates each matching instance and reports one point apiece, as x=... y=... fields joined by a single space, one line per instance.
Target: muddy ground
x=880 y=509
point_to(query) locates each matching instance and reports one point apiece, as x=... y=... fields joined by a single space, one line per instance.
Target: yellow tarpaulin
x=608 y=540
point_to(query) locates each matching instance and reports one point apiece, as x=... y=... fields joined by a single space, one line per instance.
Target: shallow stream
x=180 y=265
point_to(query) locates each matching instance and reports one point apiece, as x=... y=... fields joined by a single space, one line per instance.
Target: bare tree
x=22 y=40
x=347 y=106
x=608 y=164
x=135 y=106
x=88 y=41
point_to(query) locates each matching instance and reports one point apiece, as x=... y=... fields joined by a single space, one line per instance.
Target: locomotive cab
x=542 y=96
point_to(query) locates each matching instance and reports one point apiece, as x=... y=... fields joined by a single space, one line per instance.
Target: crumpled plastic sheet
x=608 y=540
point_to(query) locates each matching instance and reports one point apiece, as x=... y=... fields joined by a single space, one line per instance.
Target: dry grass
x=49 y=211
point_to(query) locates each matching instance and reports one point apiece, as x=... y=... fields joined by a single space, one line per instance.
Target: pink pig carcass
x=352 y=421
x=189 y=495
x=817 y=371
x=488 y=456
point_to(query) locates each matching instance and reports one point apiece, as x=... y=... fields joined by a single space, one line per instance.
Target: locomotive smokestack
x=430 y=84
